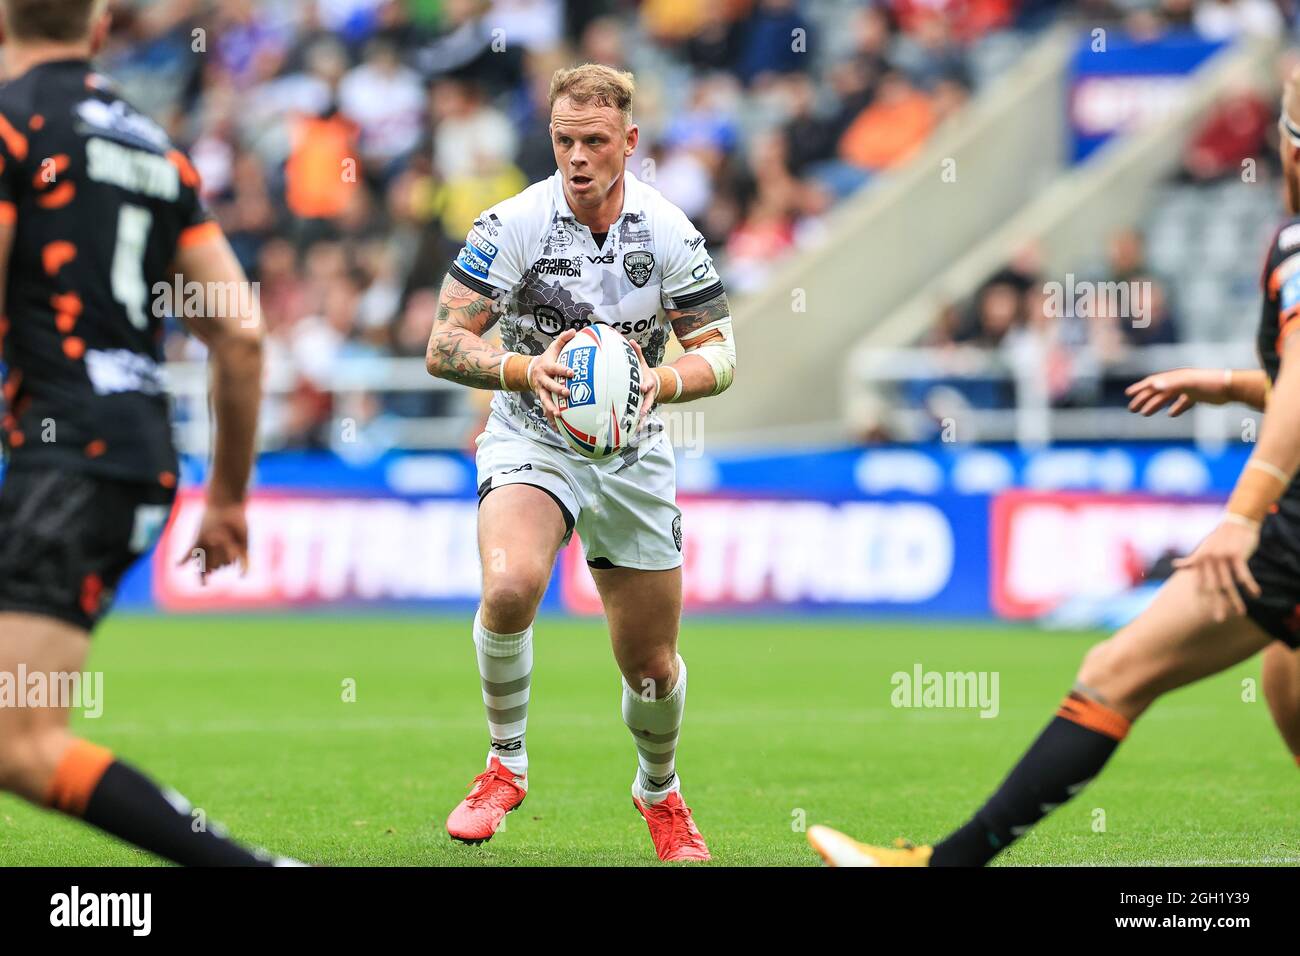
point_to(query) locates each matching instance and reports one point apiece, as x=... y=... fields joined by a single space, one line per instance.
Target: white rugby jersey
x=531 y=254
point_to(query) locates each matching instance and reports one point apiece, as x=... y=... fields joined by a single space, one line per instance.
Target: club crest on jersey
x=638 y=266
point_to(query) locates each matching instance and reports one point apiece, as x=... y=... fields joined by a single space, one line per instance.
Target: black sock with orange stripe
x=1069 y=752
x=116 y=798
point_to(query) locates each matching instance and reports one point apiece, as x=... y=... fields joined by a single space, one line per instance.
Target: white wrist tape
x=678 y=393
x=1269 y=469
x=1231 y=517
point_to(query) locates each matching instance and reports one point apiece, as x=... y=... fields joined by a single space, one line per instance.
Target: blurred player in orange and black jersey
x=1238 y=593
x=1275 y=563
x=96 y=209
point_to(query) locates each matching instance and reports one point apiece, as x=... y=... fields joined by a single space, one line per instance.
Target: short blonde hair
x=595 y=83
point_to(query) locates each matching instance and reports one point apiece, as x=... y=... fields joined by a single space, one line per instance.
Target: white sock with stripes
x=655 y=725
x=505 y=668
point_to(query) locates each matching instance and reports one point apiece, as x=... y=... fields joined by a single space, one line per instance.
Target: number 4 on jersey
x=129 y=285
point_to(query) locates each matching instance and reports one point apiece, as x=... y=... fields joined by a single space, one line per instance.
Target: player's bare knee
x=653 y=673
x=28 y=755
x=1097 y=670
x=1109 y=674
x=510 y=602
x=1114 y=674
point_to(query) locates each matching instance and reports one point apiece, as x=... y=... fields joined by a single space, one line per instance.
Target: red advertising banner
x=1050 y=547
x=316 y=550
x=320 y=550
x=750 y=553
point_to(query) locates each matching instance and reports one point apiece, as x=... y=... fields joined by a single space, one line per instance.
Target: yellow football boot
x=836 y=849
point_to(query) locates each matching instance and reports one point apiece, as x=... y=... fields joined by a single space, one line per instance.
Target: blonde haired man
x=590 y=244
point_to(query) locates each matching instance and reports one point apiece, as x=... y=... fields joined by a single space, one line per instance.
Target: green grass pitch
x=789 y=721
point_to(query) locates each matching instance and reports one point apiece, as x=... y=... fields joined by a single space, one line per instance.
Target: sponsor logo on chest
x=560 y=238
x=570 y=268
x=633 y=229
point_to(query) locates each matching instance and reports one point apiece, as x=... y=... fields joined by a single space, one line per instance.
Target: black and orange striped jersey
x=1281 y=283
x=1276 y=561
x=100 y=202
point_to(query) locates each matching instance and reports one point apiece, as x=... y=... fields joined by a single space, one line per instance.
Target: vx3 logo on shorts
x=524 y=467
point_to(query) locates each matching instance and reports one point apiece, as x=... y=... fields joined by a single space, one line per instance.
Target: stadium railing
x=917 y=395
x=940 y=378
x=356 y=388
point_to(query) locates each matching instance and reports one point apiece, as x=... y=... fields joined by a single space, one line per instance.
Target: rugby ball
x=599 y=416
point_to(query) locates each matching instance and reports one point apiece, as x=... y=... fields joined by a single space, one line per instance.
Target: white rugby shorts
x=626 y=515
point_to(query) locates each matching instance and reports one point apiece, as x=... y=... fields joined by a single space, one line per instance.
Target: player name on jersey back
x=132 y=169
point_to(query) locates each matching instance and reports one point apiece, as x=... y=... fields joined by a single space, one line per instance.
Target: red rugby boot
x=672 y=830
x=496 y=791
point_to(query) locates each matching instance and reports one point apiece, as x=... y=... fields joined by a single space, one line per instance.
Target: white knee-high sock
x=505 y=668
x=655 y=725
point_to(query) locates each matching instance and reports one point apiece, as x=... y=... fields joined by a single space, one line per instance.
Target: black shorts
x=66 y=539
x=1276 y=566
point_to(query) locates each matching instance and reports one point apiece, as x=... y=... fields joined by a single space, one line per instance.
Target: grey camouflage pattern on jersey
x=536 y=301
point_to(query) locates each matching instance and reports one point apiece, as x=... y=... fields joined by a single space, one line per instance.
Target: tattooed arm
x=709 y=364
x=458 y=353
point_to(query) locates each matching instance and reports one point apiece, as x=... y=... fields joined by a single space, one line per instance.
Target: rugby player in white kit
x=591 y=244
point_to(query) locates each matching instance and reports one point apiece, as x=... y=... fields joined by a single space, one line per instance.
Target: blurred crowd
x=1068 y=331
x=347 y=145
x=1081 y=353
x=757 y=116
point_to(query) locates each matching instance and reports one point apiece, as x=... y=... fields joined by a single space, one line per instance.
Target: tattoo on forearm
x=457 y=351
x=687 y=322
x=462 y=357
